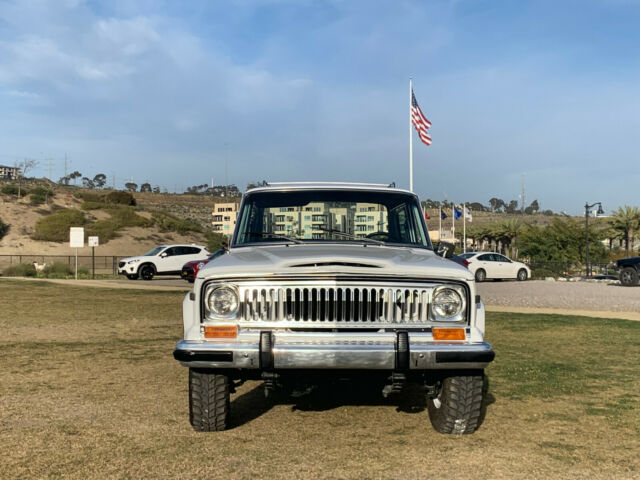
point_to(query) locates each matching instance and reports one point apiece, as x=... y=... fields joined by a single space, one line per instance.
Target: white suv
x=161 y=260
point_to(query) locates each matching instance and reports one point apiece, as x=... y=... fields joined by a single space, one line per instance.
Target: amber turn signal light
x=220 y=332
x=448 y=334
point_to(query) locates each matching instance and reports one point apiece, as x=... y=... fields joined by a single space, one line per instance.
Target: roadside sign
x=76 y=237
x=92 y=241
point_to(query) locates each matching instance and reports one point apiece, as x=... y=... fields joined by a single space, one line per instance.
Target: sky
x=174 y=93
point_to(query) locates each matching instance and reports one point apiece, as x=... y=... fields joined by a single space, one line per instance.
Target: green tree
x=132 y=187
x=145 y=187
x=627 y=221
x=100 y=180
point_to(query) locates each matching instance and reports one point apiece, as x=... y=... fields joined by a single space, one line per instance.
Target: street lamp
x=600 y=211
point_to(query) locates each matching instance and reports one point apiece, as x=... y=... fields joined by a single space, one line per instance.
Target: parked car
x=629 y=270
x=490 y=266
x=315 y=294
x=190 y=269
x=446 y=249
x=161 y=260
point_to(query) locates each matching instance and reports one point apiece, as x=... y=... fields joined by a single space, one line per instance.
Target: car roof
x=328 y=186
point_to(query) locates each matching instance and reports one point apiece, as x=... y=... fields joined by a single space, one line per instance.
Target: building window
x=369 y=218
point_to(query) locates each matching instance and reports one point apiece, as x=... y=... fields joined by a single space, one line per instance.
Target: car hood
x=334 y=259
x=193 y=263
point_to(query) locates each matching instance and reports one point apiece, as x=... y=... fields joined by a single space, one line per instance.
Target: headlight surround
x=222 y=301
x=133 y=261
x=448 y=304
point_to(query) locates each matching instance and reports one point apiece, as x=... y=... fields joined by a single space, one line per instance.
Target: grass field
x=89 y=389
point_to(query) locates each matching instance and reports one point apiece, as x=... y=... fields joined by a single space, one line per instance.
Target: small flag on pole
x=456 y=213
x=420 y=121
x=426 y=216
x=467 y=214
x=442 y=215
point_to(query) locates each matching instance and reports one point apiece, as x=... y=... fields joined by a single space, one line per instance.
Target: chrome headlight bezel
x=217 y=289
x=436 y=315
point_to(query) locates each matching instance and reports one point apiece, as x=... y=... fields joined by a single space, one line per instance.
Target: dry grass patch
x=90 y=390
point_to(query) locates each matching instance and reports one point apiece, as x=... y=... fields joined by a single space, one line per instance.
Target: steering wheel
x=382 y=236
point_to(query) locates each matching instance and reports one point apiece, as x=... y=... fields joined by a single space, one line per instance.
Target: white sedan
x=489 y=265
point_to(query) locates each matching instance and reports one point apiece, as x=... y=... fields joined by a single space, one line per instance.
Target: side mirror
x=163 y=254
x=444 y=249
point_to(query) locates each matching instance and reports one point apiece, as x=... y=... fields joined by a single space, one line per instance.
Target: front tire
x=629 y=277
x=481 y=275
x=522 y=275
x=209 y=402
x=147 y=272
x=457 y=408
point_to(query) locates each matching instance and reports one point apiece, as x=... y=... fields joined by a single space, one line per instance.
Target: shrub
x=39 y=195
x=119 y=197
x=89 y=196
x=121 y=217
x=4 y=228
x=169 y=223
x=55 y=227
x=13 y=190
x=91 y=205
x=20 y=270
x=57 y=270
x=215 y=240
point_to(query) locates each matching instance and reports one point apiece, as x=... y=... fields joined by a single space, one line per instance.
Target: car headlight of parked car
x=131 y=262
x=221 y=301
x=200 y=265
x=448 y=304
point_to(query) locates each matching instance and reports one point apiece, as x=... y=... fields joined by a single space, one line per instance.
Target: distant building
x=224 y=217
x=9 y=173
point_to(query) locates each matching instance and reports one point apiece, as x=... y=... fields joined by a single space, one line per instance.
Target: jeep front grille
x=330 y=305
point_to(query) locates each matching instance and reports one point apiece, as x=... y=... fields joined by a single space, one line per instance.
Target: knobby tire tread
x=208 y=400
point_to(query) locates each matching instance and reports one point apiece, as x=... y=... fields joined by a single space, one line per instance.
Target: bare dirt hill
x=21 y=216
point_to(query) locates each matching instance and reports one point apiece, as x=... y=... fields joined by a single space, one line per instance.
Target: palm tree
x=627 y=221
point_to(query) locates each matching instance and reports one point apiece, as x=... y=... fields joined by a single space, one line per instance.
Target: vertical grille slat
x=336 y=304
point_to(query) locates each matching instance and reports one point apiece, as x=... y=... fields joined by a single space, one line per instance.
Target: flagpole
x=440 y=225
x=410 y=139
x=453 y=223
x=464 y=227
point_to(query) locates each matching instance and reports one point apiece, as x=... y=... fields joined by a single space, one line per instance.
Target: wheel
x=629 y=277
x=481 y=275
x=209 y=403
x=147 y=272
x=132 y=276
x=522 y=275
x=456 y=409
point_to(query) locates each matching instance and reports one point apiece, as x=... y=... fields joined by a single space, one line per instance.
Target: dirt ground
x=22 y=217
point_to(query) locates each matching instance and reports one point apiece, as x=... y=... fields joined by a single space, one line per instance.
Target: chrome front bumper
x=328 y=350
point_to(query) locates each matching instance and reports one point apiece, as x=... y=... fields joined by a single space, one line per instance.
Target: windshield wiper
x=275 y=235
x=350 y=235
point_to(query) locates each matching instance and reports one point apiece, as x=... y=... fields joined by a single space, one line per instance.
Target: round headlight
x=223 y=301
x=200 y=265
x=447 y=303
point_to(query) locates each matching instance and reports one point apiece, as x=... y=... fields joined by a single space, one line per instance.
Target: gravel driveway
x=584 y=298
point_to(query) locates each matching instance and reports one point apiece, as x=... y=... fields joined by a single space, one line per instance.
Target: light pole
x=587 y=207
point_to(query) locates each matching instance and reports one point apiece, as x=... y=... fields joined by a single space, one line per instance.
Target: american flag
x=420 y=121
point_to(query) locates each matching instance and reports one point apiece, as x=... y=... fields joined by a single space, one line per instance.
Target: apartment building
x=312 y=220
x=224 y=217
x=9 y=172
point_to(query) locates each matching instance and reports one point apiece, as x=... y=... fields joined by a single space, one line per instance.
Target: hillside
x=21 y=216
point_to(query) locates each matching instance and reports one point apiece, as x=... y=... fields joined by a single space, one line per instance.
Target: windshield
x=467 y=255
x=154 y=251
x=345 y=216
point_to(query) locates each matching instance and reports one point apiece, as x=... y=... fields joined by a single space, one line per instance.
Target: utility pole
x=66 y=164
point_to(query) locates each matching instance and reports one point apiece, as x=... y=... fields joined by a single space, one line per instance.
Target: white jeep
x=161 y=260
x=334 y=281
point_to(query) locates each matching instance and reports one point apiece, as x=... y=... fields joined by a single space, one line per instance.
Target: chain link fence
x=104 y=264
